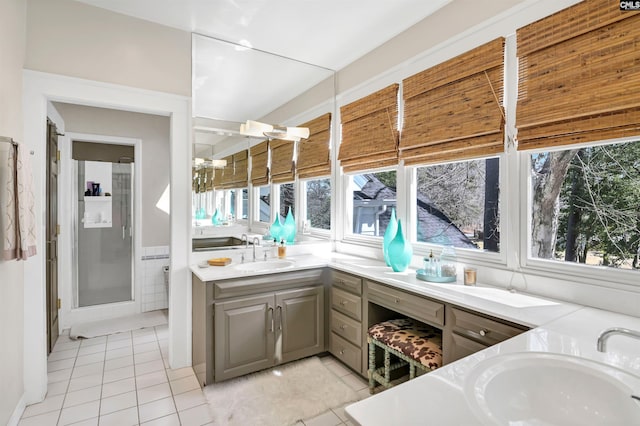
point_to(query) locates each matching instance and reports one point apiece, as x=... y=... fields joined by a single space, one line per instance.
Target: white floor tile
x=338 y=369
x=51 y=403
x=179 y=373
x=325 y=419
x=363 y=394
x=127 y=417
x=147 y=356
x=65 y=354
x=87 y=370
x=189 y=399
x=89 y=422
x=184 y=385
x=59 y=376
x=119 y=336
x=92 y=349
x=171 y=420
x=93 y=341
x=156 y=409
x=143 y=331
x=60 y=365
x=117 y=344
x=118 y=374
x=118 y=353
x=151 y=379
x=57 y=388
x=149 y=367
x=145 y=347
x=112 y=364
x=195 y=416
x=85 y=382
x=354 y=382
x=117 y=403
x=47 y=419
x=144 y=338
x=118 y=387
x=340 y=413
x=165 y=360
x=79 y=412
x=66 y=346
x=89 y=359
x=82 y=396
x=154 y=393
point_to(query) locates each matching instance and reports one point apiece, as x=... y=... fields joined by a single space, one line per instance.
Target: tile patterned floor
x=124 y=379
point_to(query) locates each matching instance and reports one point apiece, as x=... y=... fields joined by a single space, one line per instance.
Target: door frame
x=38 y=89
x=69 y=315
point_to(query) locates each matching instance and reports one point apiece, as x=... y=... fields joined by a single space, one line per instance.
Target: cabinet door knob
x=343 y=326
x=397 y=300
x=344 y=303
x=341 y=352
x=484 y=332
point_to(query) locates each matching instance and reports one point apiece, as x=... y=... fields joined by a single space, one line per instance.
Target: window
x=287 y=200
x=374 y=195
x=585 y=205
x=264 y=203
x=319 y=203
x=244 y=206
x=232 y=203
x=457 y=204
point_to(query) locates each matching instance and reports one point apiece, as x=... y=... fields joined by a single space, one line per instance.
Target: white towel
x=17 y=214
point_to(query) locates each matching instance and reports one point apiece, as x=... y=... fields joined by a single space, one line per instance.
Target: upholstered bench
x=413 y=343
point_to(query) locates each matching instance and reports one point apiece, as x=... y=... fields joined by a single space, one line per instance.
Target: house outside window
x=374 y=195
x=264 y=203
x=318 y=198
x=287 y=200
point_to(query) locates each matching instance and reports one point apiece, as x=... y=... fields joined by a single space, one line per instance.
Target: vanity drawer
x=461 y=347
x=347 y=282
x=347 y=303
x=346 y=328
x=417 y=307
x=482 y=329
x=345 y=352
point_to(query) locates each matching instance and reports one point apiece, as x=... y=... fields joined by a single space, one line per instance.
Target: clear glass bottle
x=448 y=262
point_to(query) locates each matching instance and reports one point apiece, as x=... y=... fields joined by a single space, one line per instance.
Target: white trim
x=17 y=412
x=71 y=315
x=38 y=88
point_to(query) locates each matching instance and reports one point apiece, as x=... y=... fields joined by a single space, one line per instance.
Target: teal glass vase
x=400 y=251
x=389 y=235
x=215 y=219
x=289 y=228
x=276 y=229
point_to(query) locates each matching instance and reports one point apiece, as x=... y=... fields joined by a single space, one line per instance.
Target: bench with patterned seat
x=413 y=343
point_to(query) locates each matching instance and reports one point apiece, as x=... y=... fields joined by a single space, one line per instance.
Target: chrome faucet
x=604 y=336
x=255 y=242
x=244 y=238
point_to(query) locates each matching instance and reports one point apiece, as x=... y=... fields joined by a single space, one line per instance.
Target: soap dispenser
x=282 y=250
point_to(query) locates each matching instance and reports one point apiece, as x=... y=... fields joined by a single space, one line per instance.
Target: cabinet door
x=300 y=323
x=460 y=347
x=244 y=336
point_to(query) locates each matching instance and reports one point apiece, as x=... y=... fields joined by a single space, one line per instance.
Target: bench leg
x=387 y=367
x=412 y=371
x=372 y=366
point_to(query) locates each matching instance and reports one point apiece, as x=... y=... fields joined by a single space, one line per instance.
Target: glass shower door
x=104 y=233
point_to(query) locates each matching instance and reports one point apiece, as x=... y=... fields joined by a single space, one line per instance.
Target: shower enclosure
x=104 y=233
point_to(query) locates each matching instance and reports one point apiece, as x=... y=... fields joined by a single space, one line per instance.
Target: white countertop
x=520 y=308
x=438 y=398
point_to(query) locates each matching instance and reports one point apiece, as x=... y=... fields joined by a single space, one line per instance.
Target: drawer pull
x=341 y=352
x=340 y=282
x=344 y=302
x=397 y=300
x=343 y=327
x=484 y=332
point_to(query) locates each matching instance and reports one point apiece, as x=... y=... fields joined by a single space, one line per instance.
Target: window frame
x=600 y=276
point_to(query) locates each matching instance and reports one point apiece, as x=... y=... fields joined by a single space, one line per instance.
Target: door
x=52 y=235
x=244 y=336
x=300 y=322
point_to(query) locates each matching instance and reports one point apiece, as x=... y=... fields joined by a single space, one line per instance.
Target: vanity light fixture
x=257 y=129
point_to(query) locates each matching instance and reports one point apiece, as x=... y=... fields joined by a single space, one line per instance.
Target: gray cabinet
x=258 y=332
x=345 y=322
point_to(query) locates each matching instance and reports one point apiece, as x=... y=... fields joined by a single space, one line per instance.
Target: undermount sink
x=264 y=266
x=551 y=389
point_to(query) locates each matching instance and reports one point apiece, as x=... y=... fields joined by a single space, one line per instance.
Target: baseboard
x=17 y=412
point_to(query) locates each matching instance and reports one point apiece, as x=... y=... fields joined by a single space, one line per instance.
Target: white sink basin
x=549 y=389
x=264 y=266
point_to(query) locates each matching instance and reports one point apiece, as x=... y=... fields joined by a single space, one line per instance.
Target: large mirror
x=233 y=83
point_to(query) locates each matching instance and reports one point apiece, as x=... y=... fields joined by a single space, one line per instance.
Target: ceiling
x=295 y=44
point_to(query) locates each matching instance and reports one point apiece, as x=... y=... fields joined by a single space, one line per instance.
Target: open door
x=52 y=235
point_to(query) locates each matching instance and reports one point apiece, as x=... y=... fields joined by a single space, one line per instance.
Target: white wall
x=153 y=130
x=71 y=38
x=12 y=41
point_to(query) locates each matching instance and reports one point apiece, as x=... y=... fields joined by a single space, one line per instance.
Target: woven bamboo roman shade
x=370 y=131
x=314 y=158
x=260 y=164
x=454 y=110
x=240 y=169
x=217 y=178
x=579 y=76
x=283 y=168
x=228 y=173
x=209 y=179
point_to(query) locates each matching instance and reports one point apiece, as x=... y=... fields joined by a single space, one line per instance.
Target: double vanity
x=504 y=353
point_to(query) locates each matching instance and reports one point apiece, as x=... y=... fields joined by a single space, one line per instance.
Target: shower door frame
x=70 y=314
